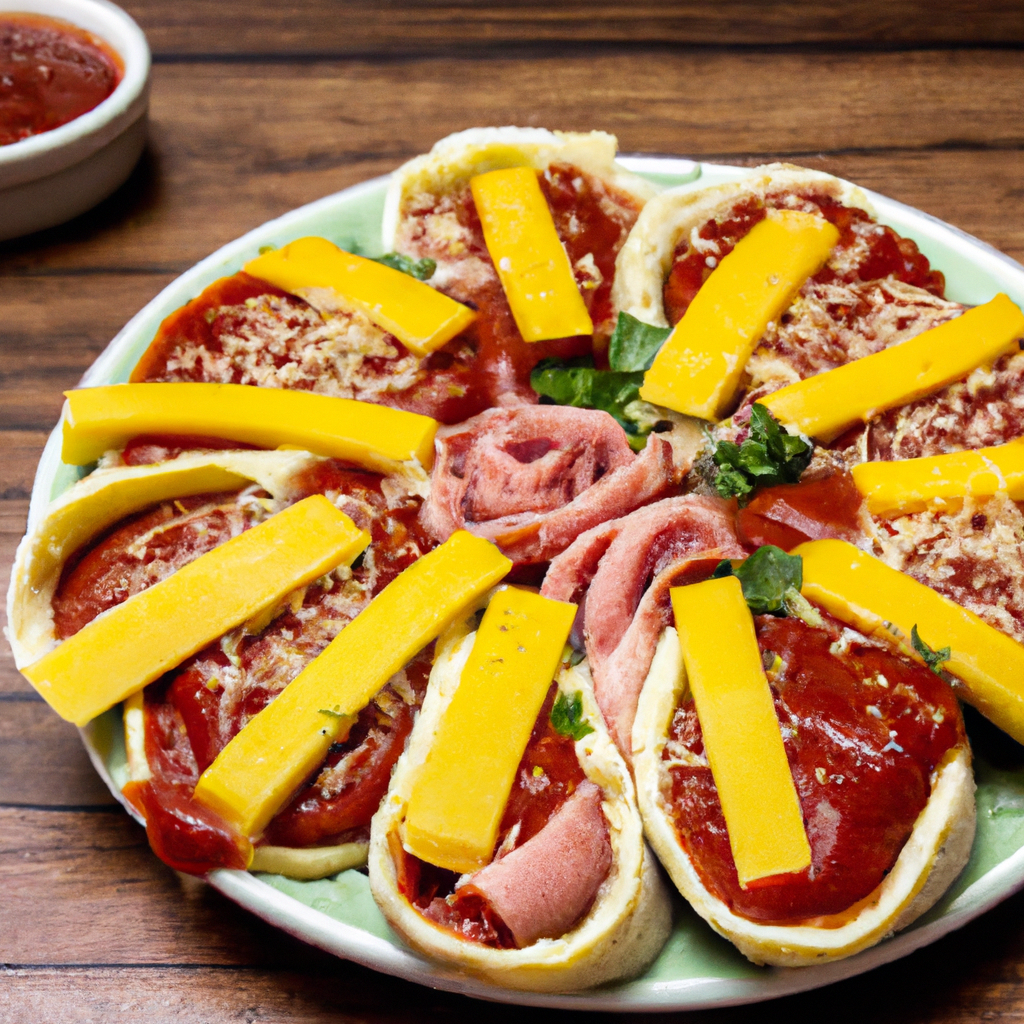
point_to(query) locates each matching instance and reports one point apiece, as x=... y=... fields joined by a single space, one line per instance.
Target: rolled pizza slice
x=875 y=747
x=122 y=530
x=568 y=896
x=524 y=225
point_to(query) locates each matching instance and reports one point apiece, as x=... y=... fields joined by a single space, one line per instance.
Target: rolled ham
x=542 y=888
x=532 y=478
x=621 y=573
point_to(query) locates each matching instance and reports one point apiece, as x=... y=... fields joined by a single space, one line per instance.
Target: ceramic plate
x=696 y=968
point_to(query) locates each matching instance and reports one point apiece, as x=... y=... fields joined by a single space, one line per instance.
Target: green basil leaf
x=768 y=456
x=766 y=576
x=567 y=716
x=587 y=388
x=422 y=269
x=634 y=344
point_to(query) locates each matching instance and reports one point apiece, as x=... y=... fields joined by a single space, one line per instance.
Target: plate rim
x=395 y=959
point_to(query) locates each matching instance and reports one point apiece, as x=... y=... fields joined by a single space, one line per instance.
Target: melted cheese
x=97 y=420
x=484 y=732
x=825 y=405
x=741 y=732
x=941 y=481
x=262 y=766
x=864 y=592
x=420 y=317
x=698 y=368
x=127 y=647
x=528 y=255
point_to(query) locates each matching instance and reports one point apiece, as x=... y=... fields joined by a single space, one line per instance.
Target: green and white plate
x=696 y=968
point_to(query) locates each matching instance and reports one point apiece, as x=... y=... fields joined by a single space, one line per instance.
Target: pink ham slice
x=542 y=888
x=620 y=573
x=534 y=477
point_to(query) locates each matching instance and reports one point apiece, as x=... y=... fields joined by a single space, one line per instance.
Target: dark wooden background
x=258 y=108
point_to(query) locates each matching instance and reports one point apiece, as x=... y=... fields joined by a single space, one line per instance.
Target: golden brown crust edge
x=935 y=853
x=646 y=256
x=631 y=916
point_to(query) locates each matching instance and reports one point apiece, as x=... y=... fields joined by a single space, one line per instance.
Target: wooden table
x=258 y=109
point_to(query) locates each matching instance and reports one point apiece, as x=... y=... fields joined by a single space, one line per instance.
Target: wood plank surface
x=400 y=26
x=257 y=109
x=233 y=145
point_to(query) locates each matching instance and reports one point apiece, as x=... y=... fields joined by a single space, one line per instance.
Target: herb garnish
x=767 y=457
x=770 y=579
x=567 y=716
x=422 y=269
x=615 y=391
x=634 y=344
x=933 y=658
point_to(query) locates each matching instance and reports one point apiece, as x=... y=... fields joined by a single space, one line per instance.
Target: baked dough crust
x=936 y=852
x=97 y=502
x=630 y=918
x=646 y=256
x=456 y=158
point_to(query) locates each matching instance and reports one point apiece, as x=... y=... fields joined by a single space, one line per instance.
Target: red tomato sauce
x=534 y=800
x=887 y=252
x=50 y=73
x=790 y=514
x=863 y=730
x=190 y=714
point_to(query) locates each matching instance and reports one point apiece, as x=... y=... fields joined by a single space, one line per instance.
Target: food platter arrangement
x=559 y=578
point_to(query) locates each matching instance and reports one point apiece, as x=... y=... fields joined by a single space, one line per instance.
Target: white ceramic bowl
x=56 y=175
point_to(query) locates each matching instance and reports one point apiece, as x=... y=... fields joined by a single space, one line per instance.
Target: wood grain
x=13 y=513
x=402 y=27
x=43 y=762
x=236 y=144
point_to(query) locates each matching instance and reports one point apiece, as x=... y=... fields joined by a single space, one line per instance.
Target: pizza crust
x=630 y=918
x=646 y=257
x=96 y=503
x=455 y=159
x=936 y=852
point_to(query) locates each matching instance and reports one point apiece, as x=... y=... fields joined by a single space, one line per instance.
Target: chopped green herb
x=933 y=658
x=769 y=577
x=330 y=713
x=567 y=716
x=264 y=249
x=538 y=772
x=769 y=456
x=634 y=344
x=422 y=269
x=576 y=382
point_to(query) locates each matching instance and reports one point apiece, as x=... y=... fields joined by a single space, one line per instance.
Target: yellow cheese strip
x=420 y=317
x=741 y=731
x=528 y=255
x=698 y=368
x=941 y=481
x=864 y=592
x=132 y=644
x=825 y=405
x=265 y=763
x=380 y=438
x=484 y=732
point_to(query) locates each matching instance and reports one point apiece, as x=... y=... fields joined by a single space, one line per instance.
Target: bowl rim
x=54 y=150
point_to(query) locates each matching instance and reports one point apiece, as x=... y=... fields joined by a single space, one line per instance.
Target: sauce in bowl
x=50 y=73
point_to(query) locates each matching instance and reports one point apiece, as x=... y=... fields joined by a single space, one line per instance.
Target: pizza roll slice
x=877 y=754
x=568 y=896
x=120 y=531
